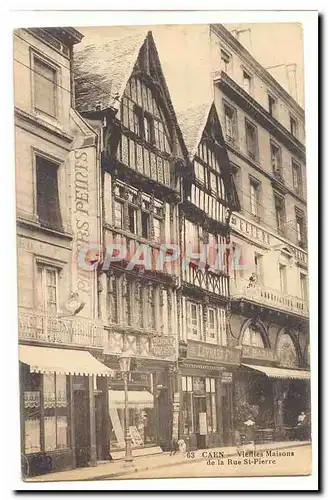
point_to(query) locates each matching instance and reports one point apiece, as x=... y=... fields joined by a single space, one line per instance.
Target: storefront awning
x=68 y=361
x=273 y=372
x=136 y=399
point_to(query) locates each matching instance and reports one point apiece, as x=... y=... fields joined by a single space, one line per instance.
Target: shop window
x=47 y=194
x=45 y=84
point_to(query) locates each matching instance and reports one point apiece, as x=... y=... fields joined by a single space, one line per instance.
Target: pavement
x=118 y=469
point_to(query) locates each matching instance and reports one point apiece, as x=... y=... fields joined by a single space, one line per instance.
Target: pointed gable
x=200 y=125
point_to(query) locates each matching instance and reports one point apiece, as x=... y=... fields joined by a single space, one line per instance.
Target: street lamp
x=125 y=362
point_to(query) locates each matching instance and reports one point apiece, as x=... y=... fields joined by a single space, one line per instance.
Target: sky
x=185 y=54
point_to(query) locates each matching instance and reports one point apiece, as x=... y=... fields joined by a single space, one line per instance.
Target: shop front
x=58 y=429
x=206 y=377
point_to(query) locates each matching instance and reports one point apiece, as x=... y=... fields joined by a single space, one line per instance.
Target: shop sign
x=254 y=352
x=202 y=424
x=226 y=377
x=163 y=347
x=222 y=354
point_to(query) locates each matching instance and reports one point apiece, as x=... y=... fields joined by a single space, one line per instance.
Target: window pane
x=48 y=208
x=44 y=87
x=118 y=214
x=62 y=429
x=214 y=419
x=49 y=433
x=49 y=394
x=32 y=435
x=61 y=390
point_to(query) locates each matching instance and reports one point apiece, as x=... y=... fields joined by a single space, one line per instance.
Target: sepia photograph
x=162 y=251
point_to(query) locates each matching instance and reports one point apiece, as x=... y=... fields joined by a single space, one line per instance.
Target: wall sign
x=226 y=377
x=163 y=347
x=255 y=352
x=222 y=354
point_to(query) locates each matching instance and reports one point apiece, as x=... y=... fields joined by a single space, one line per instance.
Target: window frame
x=281 y=199
x=233 y=139
x=296 y=166
x=272 y=110
x=34 y=55
x=253 y=155
x=277 y=168
x=47 y=264
x=293 y=120
x=191 y=327
x=256 y=184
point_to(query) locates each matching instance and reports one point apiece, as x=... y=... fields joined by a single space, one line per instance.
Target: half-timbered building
x=120 y=89
x=206 y=360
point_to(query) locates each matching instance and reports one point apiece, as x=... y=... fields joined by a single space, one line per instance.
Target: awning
x=136 y=399
x=68 y=361
x=273 y=372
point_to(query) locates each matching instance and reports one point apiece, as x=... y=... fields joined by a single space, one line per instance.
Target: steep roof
x=192 y=122
x=102 y=69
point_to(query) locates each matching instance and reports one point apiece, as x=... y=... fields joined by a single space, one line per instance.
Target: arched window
x=252 y=336
x=286 y=351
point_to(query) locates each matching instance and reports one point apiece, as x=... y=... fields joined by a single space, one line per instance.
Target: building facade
x=269 y=314
x=142 y=160
x=56 y=195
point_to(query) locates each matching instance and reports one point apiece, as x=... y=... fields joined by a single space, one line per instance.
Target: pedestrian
x=250 y=429
x=301 y=426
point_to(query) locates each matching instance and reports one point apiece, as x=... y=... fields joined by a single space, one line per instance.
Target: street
x=299 y=463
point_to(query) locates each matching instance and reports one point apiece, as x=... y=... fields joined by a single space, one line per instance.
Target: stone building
x=269 y=317
x=56 y=199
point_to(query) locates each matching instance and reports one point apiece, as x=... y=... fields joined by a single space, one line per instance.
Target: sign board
x=117 y=426
x=254 y=352
x=135 y=436
x=222 y=354
x=163 y=346
x=202 y=424
x=226 y=377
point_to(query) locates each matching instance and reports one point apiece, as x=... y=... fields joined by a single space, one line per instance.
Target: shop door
x=81 y=428
x=199 y=408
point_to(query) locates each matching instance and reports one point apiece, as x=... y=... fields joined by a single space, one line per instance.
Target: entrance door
x=199 y=407
x=81 y=415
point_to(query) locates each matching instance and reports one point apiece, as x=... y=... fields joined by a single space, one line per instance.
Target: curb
x=183 y=462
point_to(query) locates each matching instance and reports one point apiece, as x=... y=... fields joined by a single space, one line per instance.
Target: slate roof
x=102 y=70
x=192 y=122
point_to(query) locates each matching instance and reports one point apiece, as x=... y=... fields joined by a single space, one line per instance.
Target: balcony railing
x=269 y=297
x=41 y=327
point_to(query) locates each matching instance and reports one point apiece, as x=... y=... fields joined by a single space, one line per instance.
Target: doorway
x=199 y=411
x=81 y=419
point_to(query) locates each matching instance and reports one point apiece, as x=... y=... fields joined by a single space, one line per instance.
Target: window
x=187 y=405
x=251 y=140
x=145 y=216
x=55 y=412
x=230 y=115
x=225 y=60
x=112 y=299
x=45 y=81
x=247 y=82
x=280 y=213
x=272 y=105
x=283 y=278
x=193 y=320
x=300 y=227
x=254 y=196
x=212 y=323
x=147 y=129
x=47 y=196
x=145 y=224
x=45 y=413
x=293 y=126
x=211 y=416
x=303 y=283
x=47 y=288
x=297 y=177
x=275 y=158
x=132 y=219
